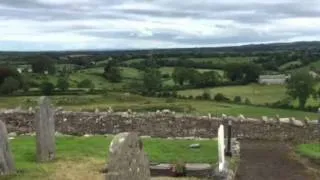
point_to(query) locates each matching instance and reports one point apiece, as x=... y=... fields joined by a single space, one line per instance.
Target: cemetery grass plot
x=84 y=157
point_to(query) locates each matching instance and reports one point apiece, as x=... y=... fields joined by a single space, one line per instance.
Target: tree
x=113 y=74
x=63 y=84
x=86 y=83
x=47 y=88
x=42 y=63
x=6 y=72
x=152 y=80
x=301 y=86
x=179 y=75
x=9 y=85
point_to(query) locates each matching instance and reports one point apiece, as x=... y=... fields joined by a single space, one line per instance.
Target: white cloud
x=74 y=24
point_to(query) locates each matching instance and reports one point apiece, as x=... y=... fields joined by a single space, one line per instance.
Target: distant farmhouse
x=273 y=79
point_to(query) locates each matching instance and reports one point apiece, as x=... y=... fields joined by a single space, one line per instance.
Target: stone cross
x=221 y=147
x=45 y=131
x=127 y=159
x=6 y=162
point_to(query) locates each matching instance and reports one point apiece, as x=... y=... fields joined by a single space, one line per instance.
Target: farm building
x=273 y=79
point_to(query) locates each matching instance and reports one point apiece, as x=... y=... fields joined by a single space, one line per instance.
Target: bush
x=86 y=83
x=47 y=88
x=179 y=169
x=63 y=84
x=247 y=101
x=206 y=95
x=237 y=99
x=221 y=98
x=170 y=100
x=9 y=85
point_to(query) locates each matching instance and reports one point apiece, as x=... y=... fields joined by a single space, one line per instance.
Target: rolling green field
x=121 y=102
x=257 y=94
x=87 y=155
x=225 y=60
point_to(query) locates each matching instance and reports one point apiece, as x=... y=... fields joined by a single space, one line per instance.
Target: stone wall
x=165 y=125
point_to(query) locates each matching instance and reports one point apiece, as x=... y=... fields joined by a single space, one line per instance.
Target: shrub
x=47 y=88
x=179 y=169
x=170 y=100
x=9 y=85
x=206 y=95
x=237 y=99
x=247 y=101
x=63 y=84
x=221 y=98
x=86 y=83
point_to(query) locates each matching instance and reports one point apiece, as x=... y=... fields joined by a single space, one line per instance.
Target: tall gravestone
x=6 y=161
x=221 y=147
x=45 y=131
x=127 y=159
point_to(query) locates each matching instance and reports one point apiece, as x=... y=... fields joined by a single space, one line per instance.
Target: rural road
x=263 y=160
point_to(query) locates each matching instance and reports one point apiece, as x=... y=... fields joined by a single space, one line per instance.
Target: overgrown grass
x=77 y=150
x=311 y=151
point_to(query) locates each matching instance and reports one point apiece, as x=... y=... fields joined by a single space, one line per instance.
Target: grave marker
x=6 y=162
x=221 y=147
x=127 y=159
x=45 y=131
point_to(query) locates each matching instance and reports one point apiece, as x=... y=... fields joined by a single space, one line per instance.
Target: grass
x=225 y=60
x=311 y=151
x=120 y=102
x=288 y=64
x=257 y=94
x=88 y=155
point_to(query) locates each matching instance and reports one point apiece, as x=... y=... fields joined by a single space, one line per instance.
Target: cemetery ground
x=122 y=102
x=82 y=158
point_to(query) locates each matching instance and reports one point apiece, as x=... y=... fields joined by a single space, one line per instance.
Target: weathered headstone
x=45 y=131
x=221 y=147
x=6 y=161
x=127 y=159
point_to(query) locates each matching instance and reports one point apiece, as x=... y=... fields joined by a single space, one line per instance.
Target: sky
x=31 y=25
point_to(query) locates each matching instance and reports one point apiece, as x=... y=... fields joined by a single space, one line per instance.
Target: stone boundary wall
x=166 y=125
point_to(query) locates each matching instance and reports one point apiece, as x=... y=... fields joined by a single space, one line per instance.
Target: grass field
x=311 y=151
x=286 y=65
x=257 y=94
x=85 y=156
x=308 y=67
x=120 y=102
x=225 y=60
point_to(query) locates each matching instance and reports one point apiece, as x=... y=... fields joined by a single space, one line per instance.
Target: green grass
x=286 y=65
x=120 y=102
x=308 y=67
x=257 y=94
x=81 y=149
x=311 y=151
x=224 y=60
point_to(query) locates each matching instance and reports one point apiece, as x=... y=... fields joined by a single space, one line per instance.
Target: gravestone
x=45 y=131
x=6 y=161
x=127 y=159
x=221 y=147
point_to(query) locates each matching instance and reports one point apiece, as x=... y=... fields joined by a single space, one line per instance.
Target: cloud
x=113 y=24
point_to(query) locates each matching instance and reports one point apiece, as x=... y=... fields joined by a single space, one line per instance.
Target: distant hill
x=245 y=49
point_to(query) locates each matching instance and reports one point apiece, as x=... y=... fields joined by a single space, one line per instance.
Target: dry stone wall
x=165 y=125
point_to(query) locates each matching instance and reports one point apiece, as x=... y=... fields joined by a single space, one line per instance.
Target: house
x=273 y=79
